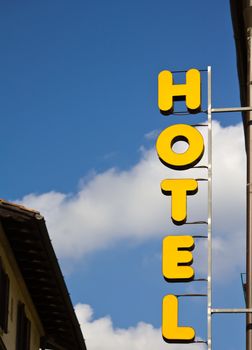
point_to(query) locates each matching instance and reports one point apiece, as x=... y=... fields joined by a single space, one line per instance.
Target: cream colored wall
x=18 y=292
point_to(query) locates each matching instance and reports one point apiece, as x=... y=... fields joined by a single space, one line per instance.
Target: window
x=4 y=298
x=23 y=329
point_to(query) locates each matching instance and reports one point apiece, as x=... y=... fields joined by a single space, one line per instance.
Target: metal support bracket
x=230 y=311
x=231 y=109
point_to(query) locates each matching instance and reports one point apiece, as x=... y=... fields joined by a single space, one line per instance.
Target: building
x=241 y=12
x=35 y=308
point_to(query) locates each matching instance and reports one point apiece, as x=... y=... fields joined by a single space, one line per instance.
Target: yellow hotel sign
x=190 y=91
x=177 y=255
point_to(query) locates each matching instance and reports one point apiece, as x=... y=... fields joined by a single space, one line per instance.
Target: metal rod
x=231 y=109
x=216 y=110
x=231 y=311
x=199 y=280
x=248 y=140
x=199 y=342
x=209 y=231
x=191 y=295
x=184 y=71
x=200 y=167
x=196 y=223
x=199 y=236
x=199 y=124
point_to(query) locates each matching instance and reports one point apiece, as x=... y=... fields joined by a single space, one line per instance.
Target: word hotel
x=177 y=256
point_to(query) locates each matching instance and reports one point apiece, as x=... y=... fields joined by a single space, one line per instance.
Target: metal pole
x=209 y=278
x=231 y=311
x=248 y=140
x=231 y=109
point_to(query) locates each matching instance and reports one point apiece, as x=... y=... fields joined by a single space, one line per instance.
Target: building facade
x=35 y=308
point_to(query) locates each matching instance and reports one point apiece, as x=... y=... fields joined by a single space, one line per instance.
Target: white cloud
x=101 y=333
x=116 y=205
x=152 y=135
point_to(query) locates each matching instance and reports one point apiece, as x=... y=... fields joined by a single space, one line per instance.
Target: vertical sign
x=177 y=255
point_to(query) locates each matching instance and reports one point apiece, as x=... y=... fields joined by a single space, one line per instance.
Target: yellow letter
x=178 y=189
x=189 y=91
x=170 y=330
x=180 y=132
x=177 y=258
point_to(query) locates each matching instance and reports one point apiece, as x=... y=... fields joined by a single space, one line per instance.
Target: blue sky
x=79 y=111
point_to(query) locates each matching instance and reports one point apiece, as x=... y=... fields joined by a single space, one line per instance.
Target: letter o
x=180 y=132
